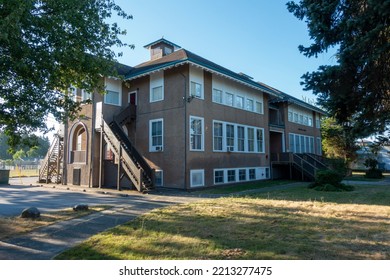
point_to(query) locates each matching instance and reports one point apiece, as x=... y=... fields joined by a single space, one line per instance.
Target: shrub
x=329 y=181
x=374 y=174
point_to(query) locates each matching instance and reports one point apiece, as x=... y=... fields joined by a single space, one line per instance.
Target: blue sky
x=257 y=37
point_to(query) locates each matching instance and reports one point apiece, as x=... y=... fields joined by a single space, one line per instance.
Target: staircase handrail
x=300 y=161
x=127 y=112
x=49 y=153
x=133 y=151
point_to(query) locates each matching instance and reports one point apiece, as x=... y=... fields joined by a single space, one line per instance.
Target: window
x=241 y=138
x=156 y=94
x=301 y=119
x=242 y=175
x=85 y=95
x=291 y=143
x=259 y=140
x=319 y=148
x=156 y=135
x=231 y=175
x=312 y=145
x=217 y=96
x=156 y=87
x=196 y=134
x=113 y=94
x=318 y=123
x=218 y=136
x=240 y=102
x=252 y=174
x=230 y=137
x=297 y=144
x=158 y=175
x=73 y=93
x=296 y=117
x=196 y=90
x=197 y=178
x=111 y=97
x=249 y=105
x=302 y=144
x=310 y=121
x=229 y=99
x=251 y=139
x=219 y=177
x=290 y=116
x=259 y=107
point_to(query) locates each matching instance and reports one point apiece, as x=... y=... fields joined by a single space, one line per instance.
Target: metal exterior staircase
x=51 y=167
x=126 y=155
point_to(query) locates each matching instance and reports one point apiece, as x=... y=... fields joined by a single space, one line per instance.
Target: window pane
x=196 y=90
x=249 y=105
x=196 y=134
x=240 y=102
x=231 y=175
x=252 y=174
x=218 y=136
x=230 y=137
x=217 y=96
x=242 y=174
x=259 y=135
x=218 y=176
x=157 y=94
x=259 y=107
x=229 y=99
x=251 y=140
x=112 y=97
x=241 y=138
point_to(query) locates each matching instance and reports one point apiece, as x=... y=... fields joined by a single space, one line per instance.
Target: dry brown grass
x=298 y=223
x=12 y=226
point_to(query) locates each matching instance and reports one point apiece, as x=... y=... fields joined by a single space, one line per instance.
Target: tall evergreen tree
x=356 y=91
x=45 y=47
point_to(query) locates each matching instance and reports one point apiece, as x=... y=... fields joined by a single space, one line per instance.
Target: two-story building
x=182 y=121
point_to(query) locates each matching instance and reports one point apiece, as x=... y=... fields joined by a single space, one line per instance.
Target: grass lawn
x=12 y=226
x=297 y=223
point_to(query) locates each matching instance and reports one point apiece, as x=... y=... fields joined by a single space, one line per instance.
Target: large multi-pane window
x=156 y=135
x=301 y=143
x=229 y=99
x=237 y=138
x=196 y=134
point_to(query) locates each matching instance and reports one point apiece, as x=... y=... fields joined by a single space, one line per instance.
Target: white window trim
x=196 y=76
x=151 y=147
x=202 y=138
x=260 y=174
x=192 y=172
x=235 y=147
x=109 y=86
x=156 y=80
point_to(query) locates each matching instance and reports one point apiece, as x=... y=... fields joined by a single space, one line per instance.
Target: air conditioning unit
x=230 y=149
x=158 y=148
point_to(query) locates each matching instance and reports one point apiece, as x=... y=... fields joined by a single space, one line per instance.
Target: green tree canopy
x=357 y=89
x=45 y=47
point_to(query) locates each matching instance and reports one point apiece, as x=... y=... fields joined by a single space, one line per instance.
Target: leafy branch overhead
x=357 y=89
x=47 y=46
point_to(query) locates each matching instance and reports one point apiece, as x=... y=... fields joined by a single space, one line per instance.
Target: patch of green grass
x=244 y=187
x=297 y=223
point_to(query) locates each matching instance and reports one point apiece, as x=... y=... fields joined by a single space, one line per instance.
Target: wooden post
x=118 y=180
x=101 y=155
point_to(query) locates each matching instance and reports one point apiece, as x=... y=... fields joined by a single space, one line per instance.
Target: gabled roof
x=162 y=40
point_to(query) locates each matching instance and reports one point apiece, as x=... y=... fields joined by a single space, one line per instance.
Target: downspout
x=185 y=130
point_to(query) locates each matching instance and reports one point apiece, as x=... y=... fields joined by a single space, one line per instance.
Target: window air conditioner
x=158 y=148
